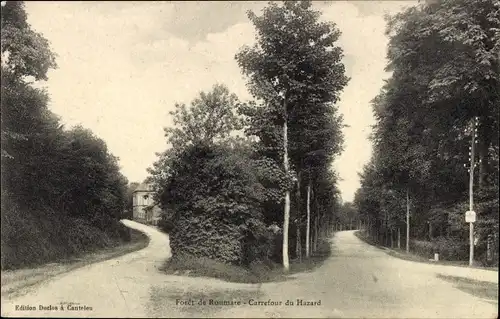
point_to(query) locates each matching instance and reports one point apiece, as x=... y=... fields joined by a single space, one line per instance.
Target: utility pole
x=471 y=190
x=407 y=221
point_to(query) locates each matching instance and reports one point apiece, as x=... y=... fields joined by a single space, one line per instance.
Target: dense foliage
x=444 y=58
x=210 y=185
x=224 y=194
x=51 y=177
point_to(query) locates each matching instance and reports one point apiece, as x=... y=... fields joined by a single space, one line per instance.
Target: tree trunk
x=298 y=249
x=316 y=222
x=399 y=238
x=407 y=221
x=327 y=229
x=286 y=220
x=310 y=243
x=313 y=233
x=324 y=226
x=308 y=226
x=327 y=226
x=368 y=226
x=392 y=238
x=299 y=244
x=320 y=227
x=316 y=232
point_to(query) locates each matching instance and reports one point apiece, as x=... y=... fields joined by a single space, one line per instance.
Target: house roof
x=144 y=187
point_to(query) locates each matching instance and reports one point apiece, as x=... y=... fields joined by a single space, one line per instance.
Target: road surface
x=357 y=281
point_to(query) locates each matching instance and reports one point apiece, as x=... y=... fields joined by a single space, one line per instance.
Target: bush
x=257 y=271
x=422 y=248
x=216 y=200
x=260 y=246
x=33 y=238
x=206 y=236
x=452 y=249
x=166 y=223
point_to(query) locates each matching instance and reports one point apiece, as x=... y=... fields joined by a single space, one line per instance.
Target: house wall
x=139 y=208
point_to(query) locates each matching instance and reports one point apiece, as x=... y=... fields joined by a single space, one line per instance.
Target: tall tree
x=294 y=60
x=211 y=117
x=445 y=73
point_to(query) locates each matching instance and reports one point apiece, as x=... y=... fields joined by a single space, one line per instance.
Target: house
x=143 y=207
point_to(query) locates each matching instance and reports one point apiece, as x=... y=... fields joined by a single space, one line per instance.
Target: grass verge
x=401 y=254
x=482 y=289
x=19 y=281
x=256 y=273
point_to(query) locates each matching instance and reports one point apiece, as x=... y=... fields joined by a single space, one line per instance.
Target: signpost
x=470 y=216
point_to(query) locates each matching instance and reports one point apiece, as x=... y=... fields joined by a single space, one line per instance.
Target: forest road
x=363 y=281
x=117 y=287
x=357 y=281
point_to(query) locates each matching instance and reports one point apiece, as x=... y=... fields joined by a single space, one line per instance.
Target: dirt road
x=357 y=281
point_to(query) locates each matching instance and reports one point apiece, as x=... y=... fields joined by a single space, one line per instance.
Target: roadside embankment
x=16 y=282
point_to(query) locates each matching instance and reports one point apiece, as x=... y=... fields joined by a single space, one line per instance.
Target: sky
x=122 y=66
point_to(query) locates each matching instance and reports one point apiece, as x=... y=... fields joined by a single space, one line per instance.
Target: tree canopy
x=445 y=75
x=50 y=175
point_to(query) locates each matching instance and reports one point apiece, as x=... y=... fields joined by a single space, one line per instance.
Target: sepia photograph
x=250 y=159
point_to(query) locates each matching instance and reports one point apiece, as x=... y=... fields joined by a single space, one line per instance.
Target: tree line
x=62 y=192
x=444 y=89
x=246 y=182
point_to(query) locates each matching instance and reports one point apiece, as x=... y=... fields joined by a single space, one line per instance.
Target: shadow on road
x=481 y=289
x=165 y=301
